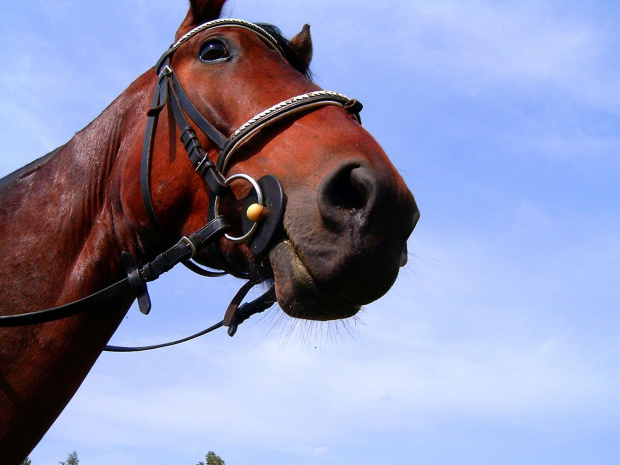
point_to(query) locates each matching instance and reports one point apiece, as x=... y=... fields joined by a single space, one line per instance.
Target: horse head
x=348 y=212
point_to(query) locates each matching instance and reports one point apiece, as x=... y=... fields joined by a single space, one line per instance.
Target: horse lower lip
x=284 y=251
x=298 y=293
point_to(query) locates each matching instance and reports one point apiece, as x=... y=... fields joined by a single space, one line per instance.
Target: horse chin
x=297 y=292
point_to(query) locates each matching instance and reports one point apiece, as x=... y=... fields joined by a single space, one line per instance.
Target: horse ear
x=200 y=11
x=302 y=43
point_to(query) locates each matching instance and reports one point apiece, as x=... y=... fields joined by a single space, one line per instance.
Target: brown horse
x=67 y=218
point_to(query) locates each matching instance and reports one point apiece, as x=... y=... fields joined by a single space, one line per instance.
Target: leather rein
x=267 y=193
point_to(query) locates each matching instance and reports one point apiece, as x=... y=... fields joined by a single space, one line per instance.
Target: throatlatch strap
x=145 y=170
x=161 y=97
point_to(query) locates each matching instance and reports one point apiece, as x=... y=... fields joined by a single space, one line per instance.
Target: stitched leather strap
x=136 y=280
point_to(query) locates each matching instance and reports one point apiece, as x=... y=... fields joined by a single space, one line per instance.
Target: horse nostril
x=347 y=190
x=350 y=188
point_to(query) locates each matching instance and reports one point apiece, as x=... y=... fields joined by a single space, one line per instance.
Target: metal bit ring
x=259 y=200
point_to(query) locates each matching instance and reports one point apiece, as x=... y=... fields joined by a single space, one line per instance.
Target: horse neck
x=62 y=217
x=61 y=224
x=62 y=229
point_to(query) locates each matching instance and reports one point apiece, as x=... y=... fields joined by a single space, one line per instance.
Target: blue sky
x=499 y=342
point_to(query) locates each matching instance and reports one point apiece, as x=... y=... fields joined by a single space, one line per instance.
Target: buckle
x=137 y=282
x=186 y=240
x=165 y=71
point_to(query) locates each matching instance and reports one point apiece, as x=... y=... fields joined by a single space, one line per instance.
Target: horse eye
x=213 y=50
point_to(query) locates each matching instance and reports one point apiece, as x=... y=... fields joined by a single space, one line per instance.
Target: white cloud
x=473 y=45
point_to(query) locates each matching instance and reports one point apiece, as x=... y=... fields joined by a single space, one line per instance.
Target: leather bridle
x=267 y=192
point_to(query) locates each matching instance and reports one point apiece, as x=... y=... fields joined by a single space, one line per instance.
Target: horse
x=223 y=156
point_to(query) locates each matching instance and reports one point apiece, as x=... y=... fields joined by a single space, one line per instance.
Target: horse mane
x=291 y=54
x=27 y=169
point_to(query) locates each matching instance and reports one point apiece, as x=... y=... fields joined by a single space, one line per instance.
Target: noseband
x=267 y=193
